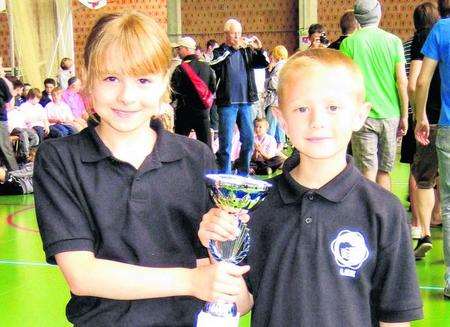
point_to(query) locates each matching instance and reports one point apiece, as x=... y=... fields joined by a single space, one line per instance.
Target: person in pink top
x=72 y=97
x=266 y=157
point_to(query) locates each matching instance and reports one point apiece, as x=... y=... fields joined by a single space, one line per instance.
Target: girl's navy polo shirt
x=86 y=200
x=337 y=256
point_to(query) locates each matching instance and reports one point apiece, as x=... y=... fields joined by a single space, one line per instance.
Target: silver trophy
x=237 y=195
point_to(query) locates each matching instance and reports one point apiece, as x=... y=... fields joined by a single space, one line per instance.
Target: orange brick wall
x=273 y=21
x=396 y=16
x=4 y=39
x=84 y=18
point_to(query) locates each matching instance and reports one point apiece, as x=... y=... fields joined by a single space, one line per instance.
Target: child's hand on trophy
x=221 y=281
x=219 y=225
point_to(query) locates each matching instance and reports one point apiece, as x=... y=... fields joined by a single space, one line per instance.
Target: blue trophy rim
x=237 y=181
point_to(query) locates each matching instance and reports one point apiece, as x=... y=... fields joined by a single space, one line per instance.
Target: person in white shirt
x=60 y=115
x=28 y=137
x=35 y=115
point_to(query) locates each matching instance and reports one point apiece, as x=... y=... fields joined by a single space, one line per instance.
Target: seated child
x=61 y=117
x=35 y=117
x=49 y=85
x=265 y=157
x=28 y=137
x=328 y=247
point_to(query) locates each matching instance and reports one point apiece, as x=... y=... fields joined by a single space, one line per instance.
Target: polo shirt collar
x=167 y=147
x=335 y=190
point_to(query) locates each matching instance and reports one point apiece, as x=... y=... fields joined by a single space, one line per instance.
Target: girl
x=119 y=204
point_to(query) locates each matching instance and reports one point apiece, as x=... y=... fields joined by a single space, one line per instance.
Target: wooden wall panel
x=4 y=39
x=84 y=18
x=273 y=21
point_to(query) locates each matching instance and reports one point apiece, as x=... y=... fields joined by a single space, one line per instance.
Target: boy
x=329 y=247
x=265 y=159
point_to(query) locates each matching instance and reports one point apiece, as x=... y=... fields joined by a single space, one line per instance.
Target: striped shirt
x=407 y=49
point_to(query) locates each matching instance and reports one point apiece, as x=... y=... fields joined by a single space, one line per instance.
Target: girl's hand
x=219 y=225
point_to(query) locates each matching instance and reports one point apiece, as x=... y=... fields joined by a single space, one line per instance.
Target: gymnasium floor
x=33 y=293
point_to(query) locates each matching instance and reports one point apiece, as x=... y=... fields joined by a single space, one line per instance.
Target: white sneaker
x=416 y=232
x=447 y=286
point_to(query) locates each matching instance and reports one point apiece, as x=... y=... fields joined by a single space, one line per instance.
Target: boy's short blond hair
x=261 y=120
x=138 y=44
x=321 y=58
x=280 y=52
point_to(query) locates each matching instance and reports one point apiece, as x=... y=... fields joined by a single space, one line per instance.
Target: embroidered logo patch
x=350 y=251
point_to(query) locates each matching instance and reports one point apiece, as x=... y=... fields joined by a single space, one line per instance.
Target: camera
x=323 y=38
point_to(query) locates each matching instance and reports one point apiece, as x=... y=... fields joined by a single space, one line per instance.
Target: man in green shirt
x=381 y=58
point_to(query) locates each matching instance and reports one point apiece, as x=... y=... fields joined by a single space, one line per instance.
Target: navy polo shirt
x=337 y=256
x=86 y=200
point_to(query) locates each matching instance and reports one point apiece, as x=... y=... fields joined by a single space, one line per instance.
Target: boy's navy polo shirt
x=337 y=256
x=86 y=200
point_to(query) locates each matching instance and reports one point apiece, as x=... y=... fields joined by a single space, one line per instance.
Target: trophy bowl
x=236 y=195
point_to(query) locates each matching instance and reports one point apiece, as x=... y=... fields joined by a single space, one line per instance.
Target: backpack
x=18 y=181
x=203 y=92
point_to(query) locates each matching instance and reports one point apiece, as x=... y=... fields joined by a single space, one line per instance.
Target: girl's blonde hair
x=320 y=59
x=130 y=44
x=280 y=52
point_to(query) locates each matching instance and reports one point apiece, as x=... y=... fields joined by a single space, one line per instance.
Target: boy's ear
x=361 y=116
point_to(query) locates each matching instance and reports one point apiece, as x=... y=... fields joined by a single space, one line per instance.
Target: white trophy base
x=205 y=319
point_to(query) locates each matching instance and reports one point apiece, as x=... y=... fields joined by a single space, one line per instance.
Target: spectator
x=35 y=116
x=6 y=152
x=22 y=98
x=73 y=98
x=424 y=168
x=49 y=85
x=266 y=158
x=436 y=52
x=233 y=63
x=190 y=112
x=28 y=137
x=317 y=36
x=348 y=25
x=277 y=57
x=61 y=117
x=380 y=56
x=65 y=72
x=210 y=46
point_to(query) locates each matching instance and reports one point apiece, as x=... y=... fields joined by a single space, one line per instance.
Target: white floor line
x=25 y=263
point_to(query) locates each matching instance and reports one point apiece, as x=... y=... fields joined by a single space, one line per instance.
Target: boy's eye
x=110 y=79
x=333 y=108
x=302 y=109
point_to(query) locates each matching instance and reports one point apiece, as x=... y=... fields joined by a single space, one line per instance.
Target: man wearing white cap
x=381 y=58
x=190 y=111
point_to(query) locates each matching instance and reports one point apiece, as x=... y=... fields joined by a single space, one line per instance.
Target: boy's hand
x=219 y=225
x=221 y=281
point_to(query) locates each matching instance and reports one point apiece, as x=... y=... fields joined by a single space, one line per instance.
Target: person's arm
x=402 y=90
x=422 y=129
x=414 y=70
x=90 y=276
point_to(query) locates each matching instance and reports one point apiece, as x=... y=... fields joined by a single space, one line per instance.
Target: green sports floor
x=33 y=293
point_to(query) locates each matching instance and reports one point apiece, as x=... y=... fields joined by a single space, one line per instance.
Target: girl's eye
x=333 y=108
x=144 y=81
x=110 y=79
x=302 y=109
